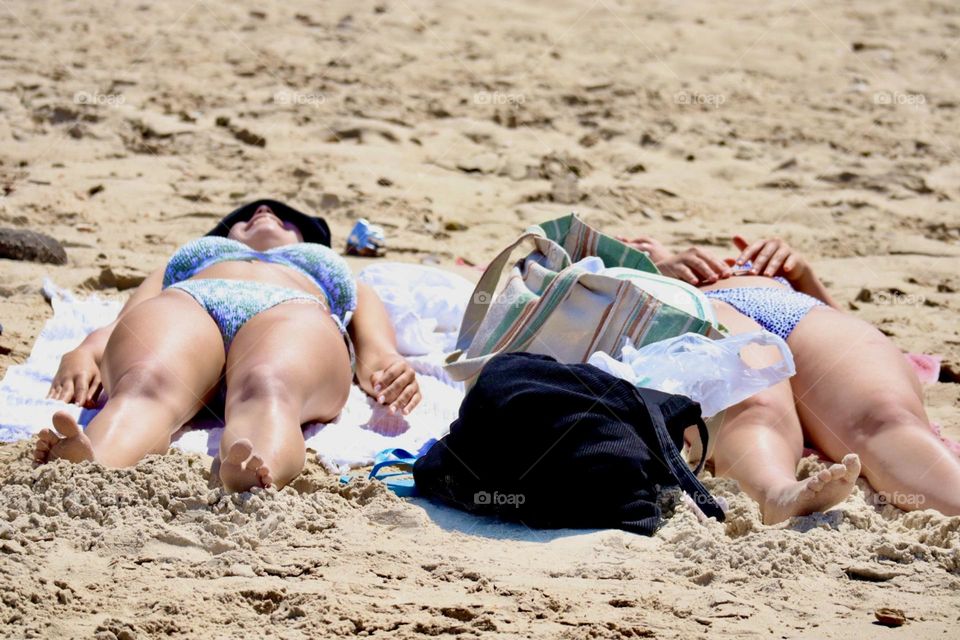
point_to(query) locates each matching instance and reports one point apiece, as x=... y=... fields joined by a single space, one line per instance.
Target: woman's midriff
x=739 y=282
x=266 y=272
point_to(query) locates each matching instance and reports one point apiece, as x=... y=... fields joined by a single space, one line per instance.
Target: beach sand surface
x=129 y=128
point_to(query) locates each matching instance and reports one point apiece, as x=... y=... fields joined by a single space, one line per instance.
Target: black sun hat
x=313 y=228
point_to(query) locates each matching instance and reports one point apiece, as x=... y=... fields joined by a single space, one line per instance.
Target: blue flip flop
x=401 y=482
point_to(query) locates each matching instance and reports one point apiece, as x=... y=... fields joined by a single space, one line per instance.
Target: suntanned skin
x=163 y=358
x=854 y=397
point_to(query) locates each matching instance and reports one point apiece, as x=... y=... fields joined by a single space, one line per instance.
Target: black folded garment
x=558 y=445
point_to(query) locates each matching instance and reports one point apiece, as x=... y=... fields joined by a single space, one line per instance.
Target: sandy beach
x=129 y=128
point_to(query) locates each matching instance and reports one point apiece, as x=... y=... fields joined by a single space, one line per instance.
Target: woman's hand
x=772 y=257
x=77 y=379
x=391 y=381
x=694 y=266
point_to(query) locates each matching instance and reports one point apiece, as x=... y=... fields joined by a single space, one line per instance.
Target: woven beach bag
x=551 y=306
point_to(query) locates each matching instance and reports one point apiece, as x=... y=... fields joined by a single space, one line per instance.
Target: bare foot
x=241 y=469
x=67 y=442
x=817 y=493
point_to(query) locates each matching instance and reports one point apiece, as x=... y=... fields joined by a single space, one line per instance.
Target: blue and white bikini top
x=319 y=263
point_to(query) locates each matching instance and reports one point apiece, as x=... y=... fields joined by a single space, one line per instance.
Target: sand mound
x=856 y=539
x=163 y=512
x=155 y=550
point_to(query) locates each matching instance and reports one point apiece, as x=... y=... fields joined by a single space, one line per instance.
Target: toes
x=45 y=441
x=47 y=437
x=851 y=463
x=836 y=471
x=239 y=452
x=65 y=425
x=41 y=452
x=265 y=477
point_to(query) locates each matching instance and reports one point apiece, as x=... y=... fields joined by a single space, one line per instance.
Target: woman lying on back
x=854 y=396
x=269 y=311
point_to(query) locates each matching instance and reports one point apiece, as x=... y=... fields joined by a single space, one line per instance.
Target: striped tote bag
x=552 y=306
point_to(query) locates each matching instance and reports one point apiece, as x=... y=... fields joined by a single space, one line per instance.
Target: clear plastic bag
x=708 y=371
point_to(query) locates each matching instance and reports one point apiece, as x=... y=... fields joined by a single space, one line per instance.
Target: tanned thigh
x=845 y=369
x=302 y=351
x=174 y=341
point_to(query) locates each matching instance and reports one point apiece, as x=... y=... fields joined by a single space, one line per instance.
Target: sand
x=126 y=130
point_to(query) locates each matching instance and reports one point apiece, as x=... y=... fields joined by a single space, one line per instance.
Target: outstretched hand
x=771 y=257
x=77 y=379
x=392 y=382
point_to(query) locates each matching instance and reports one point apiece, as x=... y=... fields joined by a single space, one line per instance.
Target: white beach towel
x=362 y=429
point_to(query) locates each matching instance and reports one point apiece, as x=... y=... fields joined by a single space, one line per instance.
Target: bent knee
x=768 y=406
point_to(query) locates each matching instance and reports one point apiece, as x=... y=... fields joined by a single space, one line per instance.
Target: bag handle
x=467 y=368
x=483 y=294
x=687 y=479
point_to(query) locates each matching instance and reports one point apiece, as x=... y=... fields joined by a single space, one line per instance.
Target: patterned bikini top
x=321 y=264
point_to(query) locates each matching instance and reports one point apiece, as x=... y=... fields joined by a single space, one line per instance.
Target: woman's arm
x=78 y=377
x=381 y=371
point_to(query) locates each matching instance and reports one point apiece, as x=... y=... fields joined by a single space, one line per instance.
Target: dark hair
x=312 y=228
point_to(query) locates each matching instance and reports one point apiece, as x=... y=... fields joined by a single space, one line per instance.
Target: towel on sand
x=362 y=429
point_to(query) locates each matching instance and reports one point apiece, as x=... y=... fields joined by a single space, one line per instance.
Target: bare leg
x=157 y=374
x=287 y=366
x=760 y=442
x=856 y=393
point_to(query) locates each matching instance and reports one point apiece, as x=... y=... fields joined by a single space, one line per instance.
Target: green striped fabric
x=550 y=305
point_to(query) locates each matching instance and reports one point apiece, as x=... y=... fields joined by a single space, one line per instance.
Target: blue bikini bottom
x=231 y=303
x=776 y=309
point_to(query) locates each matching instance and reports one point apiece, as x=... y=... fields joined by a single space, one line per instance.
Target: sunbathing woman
x=854 y=396
x=263 y=309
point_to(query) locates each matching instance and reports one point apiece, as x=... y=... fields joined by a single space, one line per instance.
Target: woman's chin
x=268 y=240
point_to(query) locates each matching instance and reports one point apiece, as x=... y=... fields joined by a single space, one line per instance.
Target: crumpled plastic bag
x=708 y=371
